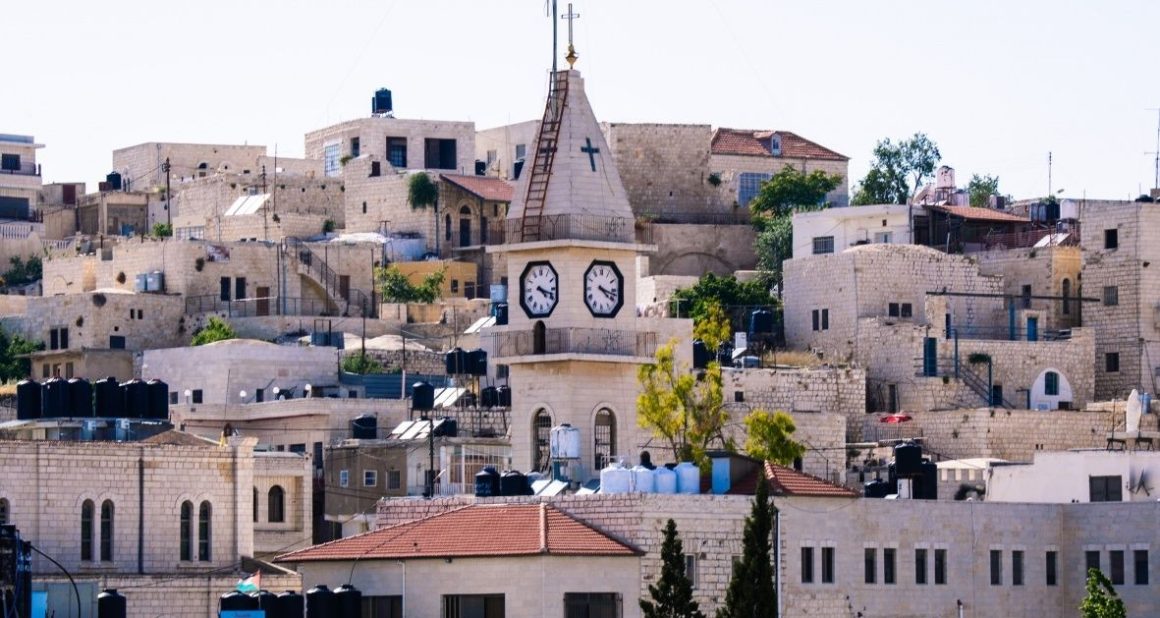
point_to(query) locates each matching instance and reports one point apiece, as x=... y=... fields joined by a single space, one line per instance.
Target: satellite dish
x=1132 y=417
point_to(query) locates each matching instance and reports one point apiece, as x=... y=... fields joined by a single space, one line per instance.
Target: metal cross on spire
x=572 y=56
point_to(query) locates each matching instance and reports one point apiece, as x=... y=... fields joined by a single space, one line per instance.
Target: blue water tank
x=422 y=396
x=487 y=483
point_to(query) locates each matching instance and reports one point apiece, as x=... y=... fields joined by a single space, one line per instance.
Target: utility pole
x=168 y=203
x=265 y=224
x=1049 y=173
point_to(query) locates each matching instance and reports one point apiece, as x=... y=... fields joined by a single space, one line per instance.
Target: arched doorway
x=539 y=338
x=464 y=226
x=541 y=435
x=604 y=438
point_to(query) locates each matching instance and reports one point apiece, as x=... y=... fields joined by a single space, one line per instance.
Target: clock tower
x=573 y=342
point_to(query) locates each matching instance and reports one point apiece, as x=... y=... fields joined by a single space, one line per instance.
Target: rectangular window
x=344 y=478
x=1106 y=488
x=940 y=567
x=382 y=607
x=10 y=162
x=893 y=310
x=473 y=606
x=1116 y=558
x=825 y=319
x=316 y=455
x=1017 y=568
x=224 y=288
x=888 y=562
x=1051 y=384
x=749 y=185
x=1111 y=296
x=239 y=288
x=521 y=151
x=397 y=152
x=376 y=171
x=58 y=338
x=827 y=565
x=354 y=147
x=1111 y=239
x=394 y=479
x=1140 y=558
x=996 y=567
x=197 y=397
x=68 y=370
x=907 y=310
x=691 y=569
x=298 y=448
x=1051 y=568
x=370 y=478
x=823 y=245
x=1091 y=560
x=331 y=154
x=884 y=237
x=116 y=342
x=816 y=318
x=440 y=154
x=870 y=564
x=807 y=565
x=173 y=398
x=591 y=605
x=920 y=566
x=1026 y=297
x=492 y=155
x=1112 y=362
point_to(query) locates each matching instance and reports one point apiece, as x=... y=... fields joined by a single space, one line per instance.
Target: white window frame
x=344 y=478
x=372 y=476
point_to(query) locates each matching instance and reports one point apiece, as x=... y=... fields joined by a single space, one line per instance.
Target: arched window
x=541 y=435
x=107 y=515
x=255 y=505
x=1051 y=384
x=276 y=505
x=447 y=227
x=204 y=512
x=4 y=511
x=1066 y=296
x=604 y=437
x=87 y=530
x=187 y=530
x=464 y=226
x=202 y=168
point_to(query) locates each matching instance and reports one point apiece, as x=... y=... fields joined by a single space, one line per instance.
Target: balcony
x=573 y=227
x=20 y=168
x=595 y=341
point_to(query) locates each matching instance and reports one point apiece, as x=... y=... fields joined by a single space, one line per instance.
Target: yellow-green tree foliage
x=714 y=327
x=683 y=409
x=768 y=437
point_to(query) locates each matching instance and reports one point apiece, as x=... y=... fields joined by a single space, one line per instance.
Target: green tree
x=790 y=188
x=422 y=192
x=24 y=272
x=981 y=188
x=11 y=348
x=361 y=364
x=1101 y=600
x=714 y=327
x=162 y=230
x=725 y=292
x=395 y=287
x=751 y=592
x=684 y=410
x=768 y=437
x=895 y=167
x=216 y=329
x=672 y=595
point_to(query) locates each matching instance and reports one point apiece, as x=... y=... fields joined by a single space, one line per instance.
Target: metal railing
x=574 y=227
x=1005 y=333
x=574 y=340
x=193 y=232
x=22 y=169
x=733 y=216
x=256 y=307
x=1025 y=238
x=356 y=301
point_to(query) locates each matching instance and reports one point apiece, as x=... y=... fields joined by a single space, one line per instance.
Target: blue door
x=930 y=357
x=1032 y=329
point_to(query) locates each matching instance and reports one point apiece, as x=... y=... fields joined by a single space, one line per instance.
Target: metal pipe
x=140 y=513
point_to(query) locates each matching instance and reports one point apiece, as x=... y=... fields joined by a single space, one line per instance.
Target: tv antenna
x=1156 y=153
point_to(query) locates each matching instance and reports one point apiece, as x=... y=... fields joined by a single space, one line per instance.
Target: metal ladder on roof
x=546 y=141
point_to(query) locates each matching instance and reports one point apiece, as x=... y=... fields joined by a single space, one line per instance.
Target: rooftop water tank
x=141 y=283
x=487 y=483
x=267 y=601
x=155 y=281
x=80 y=398
x=564 y=442
x=688 y=478
x=54 y=398
x=513 y=483
x=456 y=361
x=447 y=428
x=364 y=427
x=725 y=355
x=236 y=601
x=136 y=396
x=615 y=479
x=761 y=321
x=501 y=314
x=381 y=102
x=926 y=485
x=877 y=488
x=505 y=396
x=290 y=605
x=113 y=179
x=320 y=602
x=701 y=354
x=666 y=480
x=422 y=396
x=908 y=460
x=111 y=604
x=27 y=400
x=489 y=397
x=109 y=401
x=643 y=480
x=477 y=362
x=348 y=600
x=158 y=393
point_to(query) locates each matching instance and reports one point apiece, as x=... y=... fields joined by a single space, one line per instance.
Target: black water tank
x=877 y=488
x=290 y=605
x=27 y=400
x=113 y=179
x=136 y=396
x=158 y=399
x=725 y=355
x=701 y=354
x=513 y=483
x=111 y=604
x=908 y=460
x=349 y=601
x=54 y=398
x=320 y=602
x=456 y=361
x=480 y=168
x=364 y=427
x=487 y=483
x=449 y=428
x=477 y=362
x=488 y=397
x=761 y=321
x=381 y=102
x=266 y=601
x=504 y=393
x=109 y=401
x=422 y=396
x=926 y=485
x=236 y=601
x=501 y=314
x=80 y=398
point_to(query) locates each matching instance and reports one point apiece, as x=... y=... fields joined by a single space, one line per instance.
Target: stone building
x=142 y=165
x=504 y=149
x=114 y=213
x=1037 y=274
x=403 y=144
x=20 y=181
x=257 y=206
x=474 y=209
x=170 y=521
x=833 y=230
x=1078 y=477
x=743 y=159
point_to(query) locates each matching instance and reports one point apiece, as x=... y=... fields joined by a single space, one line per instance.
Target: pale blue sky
x=997 y=84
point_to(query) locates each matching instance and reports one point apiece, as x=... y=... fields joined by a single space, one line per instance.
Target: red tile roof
x=479 y=530
x=756 y=144
x=488 y=188
x=979 y=214
x=785 y=481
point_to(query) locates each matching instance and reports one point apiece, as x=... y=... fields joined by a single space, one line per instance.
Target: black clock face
x=603 y=289
x=539 y=289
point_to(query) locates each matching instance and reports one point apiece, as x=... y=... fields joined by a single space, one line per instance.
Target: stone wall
x=664 y=167
x=730 y=168
x=693 y=250
x=372 y=134
x=144 y=320
x=379 y=203
x=829 y=397
x=142 y=163
x=202 y=201
x=1045 y=269
x=504 y=142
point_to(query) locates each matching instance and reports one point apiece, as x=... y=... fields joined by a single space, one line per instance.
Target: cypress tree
x=751 y=592
x=672 y=596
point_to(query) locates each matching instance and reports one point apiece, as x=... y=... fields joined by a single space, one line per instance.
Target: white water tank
x=688 y=478
x=643 y=480
x=564 y=442
x=666 y=480
x=615 y=479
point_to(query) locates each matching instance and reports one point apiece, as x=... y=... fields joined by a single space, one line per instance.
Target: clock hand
x=546 y=293
x=610 y=295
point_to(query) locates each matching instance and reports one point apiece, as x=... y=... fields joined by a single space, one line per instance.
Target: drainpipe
x=777 y=559
x=403 y=605
x=141 y=513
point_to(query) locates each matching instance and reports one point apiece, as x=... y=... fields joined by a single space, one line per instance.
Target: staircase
x=546 y=141
x=978 y=384
x=314 y=268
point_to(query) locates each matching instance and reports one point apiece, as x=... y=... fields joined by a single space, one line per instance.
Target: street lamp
x=188 y=394
x=242 y=396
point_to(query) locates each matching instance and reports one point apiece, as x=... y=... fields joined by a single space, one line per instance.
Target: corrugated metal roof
x=247 y=204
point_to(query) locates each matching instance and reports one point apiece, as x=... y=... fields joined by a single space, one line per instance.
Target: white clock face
x=539 y=289
x=603 y=289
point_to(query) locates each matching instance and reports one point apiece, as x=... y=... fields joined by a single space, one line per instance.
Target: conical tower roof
x=582 y=182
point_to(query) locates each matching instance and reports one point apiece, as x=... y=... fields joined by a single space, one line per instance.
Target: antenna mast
x=1156 y=178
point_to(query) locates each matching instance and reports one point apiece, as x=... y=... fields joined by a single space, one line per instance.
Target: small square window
x=823 y=244
x=1112 y=362
x=1111 y=296
x=1111 y=239
x=197 y=397
x=739 y=396
x=370 y=478
x=907 y=310
x=173 y=398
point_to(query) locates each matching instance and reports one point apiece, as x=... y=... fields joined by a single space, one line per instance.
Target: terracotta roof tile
x=756 y=144
x=979 y=214
x=789 y=482
x=488 y=188
x=474 y=531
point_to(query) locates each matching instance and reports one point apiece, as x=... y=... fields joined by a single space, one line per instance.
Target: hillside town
x=570 y=367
